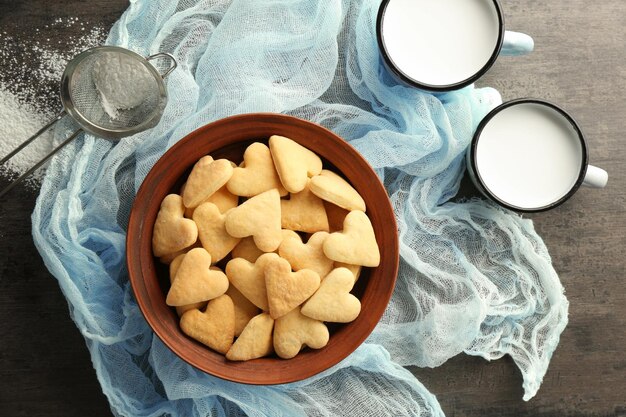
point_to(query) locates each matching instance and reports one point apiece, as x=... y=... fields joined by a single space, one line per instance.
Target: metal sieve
x=82 y=102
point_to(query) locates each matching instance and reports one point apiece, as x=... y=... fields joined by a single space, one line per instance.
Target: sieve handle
x=170 y=57
x=42 y=161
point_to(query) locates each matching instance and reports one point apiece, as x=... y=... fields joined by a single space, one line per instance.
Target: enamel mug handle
x=516 y=43
x=595 y=177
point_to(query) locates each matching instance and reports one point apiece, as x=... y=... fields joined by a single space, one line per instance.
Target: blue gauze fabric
x=473 y=278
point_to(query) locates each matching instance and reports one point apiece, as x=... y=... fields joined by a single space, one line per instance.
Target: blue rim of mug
x=437 y=88
x=581 y=137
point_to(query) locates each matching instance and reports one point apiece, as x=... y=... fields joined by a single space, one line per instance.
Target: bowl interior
x=228 y=138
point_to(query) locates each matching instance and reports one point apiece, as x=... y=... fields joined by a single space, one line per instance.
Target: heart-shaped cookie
x=215 y=327
x=294 y=163
x=244 y=309
x=258 y=217
x=285 y=289
x=174 y=265
x=222 y=198
x=306 y=256
x=247 y=250
x=333 y=302
x=294 y=330
x=304 y=211
x=172 y=232
x=206 y=177
x=212 y=232
x=180 y=310
x=257 y=175
x=167 y=259
x=249 y=278
x=356 y=244
x=195 y=281
x=255 y=341
x=355 y=269
x=334 y=189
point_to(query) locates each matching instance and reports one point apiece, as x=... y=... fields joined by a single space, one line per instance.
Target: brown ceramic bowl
x=228 y=138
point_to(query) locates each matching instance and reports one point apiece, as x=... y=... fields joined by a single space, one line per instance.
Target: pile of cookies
x=291 y=237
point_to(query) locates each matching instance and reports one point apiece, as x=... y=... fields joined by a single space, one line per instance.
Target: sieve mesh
x=85 y=97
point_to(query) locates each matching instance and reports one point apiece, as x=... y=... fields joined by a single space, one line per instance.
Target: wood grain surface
x=579 y=62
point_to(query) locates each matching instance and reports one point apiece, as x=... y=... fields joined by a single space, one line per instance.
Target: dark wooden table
x=579 y=62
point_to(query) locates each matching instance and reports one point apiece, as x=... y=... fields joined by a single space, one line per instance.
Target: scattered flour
x=19 y=121
x=30 y=73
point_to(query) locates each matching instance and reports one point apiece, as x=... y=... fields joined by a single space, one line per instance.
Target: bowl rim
x=135 y=264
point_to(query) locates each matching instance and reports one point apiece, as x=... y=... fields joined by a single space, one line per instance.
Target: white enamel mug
x=443 y=45
x=530 y=155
